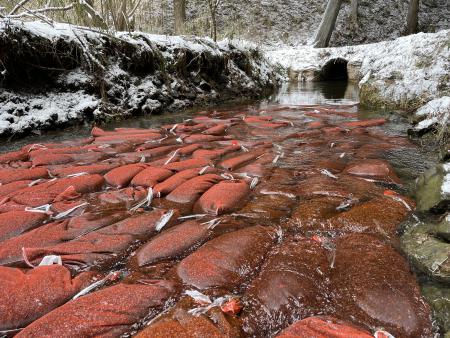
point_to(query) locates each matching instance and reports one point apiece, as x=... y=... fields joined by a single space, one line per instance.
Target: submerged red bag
x=26 y=296
x=323 y=327
x=107 y=313
x=228 y=260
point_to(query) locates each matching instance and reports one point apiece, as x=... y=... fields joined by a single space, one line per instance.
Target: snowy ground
x=405 y=73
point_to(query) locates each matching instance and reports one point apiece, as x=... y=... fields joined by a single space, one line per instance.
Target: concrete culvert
x=334 y=70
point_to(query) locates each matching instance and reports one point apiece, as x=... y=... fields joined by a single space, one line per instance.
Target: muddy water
x=242 y=221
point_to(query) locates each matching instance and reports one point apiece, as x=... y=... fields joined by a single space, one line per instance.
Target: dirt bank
x=53 y=76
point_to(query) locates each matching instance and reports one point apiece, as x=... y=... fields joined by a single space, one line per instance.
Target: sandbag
x=211 y=154
x=14 y=223
x=120 y=177
x=126 y=197
x=373 y=169
x=181 y=324
x=54 y=233
x=131 y=138
x=46 y=192
x=101 y=246
x=293 y=283
x=179 y=178
x=235 y=162
x=172 y=242
x=216 y=130
x=6 y=189
x=11 y=175
x=187 y=150
x=228 y=260
x=199 y=138
x=191 y=190
x=89 y=169
x=27 y=296
x=150 y=176
x=373 y=285
x=364 y=123
x=108 y=313
x=20 y=155
x=324 y=327
x=223 y=197
x=187 y=164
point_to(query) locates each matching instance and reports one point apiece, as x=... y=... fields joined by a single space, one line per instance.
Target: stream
x=276 y=218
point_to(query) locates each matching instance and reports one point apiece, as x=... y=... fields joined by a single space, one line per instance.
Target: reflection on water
x=341 y=92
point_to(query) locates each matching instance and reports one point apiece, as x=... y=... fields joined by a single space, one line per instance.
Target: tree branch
x=41 y=10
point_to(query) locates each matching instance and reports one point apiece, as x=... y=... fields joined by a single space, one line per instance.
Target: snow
x=38 y=111
x=435 y=112
x=445 y=187
x=404 y=72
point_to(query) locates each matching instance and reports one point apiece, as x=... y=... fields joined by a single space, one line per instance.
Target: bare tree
x=327 y=24
x=354 y=13
x=179 y=12
x=413 y=17
x=213 y=6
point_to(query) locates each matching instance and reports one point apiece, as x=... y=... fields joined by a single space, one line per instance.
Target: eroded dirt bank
x=58 y=75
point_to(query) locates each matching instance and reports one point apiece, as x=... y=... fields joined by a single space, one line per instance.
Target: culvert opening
x=334 y=70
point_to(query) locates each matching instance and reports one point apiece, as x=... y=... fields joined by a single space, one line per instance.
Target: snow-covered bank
x=404 y=73
x=61 y=74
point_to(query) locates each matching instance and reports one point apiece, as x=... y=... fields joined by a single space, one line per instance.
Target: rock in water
x=427 y=252
x=433 y=189
x=439 y=299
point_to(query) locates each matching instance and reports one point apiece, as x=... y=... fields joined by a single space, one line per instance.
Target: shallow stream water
x=238 y=220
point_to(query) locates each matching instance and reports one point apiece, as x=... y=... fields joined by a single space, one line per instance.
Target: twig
x=41 y=10
x=17 y=7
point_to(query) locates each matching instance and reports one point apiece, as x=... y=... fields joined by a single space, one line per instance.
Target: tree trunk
x=413 y=17
x=122 y=20
x=212 y=11
x=179 y=8
x=327 y=24
x=354 y=14
x=88 y=15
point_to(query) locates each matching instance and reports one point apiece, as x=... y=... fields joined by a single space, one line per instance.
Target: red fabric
x=223 y=197
x=106 y=313
x=191 y=190
x=219 y=262
x=120 y=177
x=14 y=223
x=11 y=175
x=323 y=327
x=26 y=296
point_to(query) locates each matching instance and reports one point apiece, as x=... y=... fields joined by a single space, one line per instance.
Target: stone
x=433 y=189
x=439 y=299
x=428 y=253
